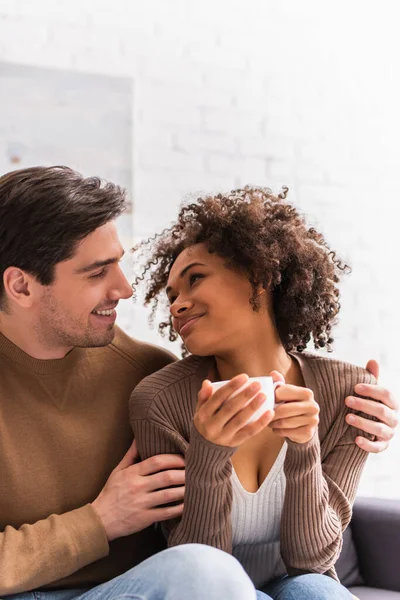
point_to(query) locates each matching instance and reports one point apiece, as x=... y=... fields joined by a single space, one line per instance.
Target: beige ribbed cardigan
x=321 y=475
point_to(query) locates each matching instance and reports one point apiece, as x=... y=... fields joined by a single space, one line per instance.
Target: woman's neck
x=254 y=364
x=257 y=357
x=257 y=350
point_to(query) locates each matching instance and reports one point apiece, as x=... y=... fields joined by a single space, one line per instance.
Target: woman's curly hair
x=264 y=237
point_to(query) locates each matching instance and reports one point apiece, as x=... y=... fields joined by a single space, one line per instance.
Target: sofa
x=369 y=564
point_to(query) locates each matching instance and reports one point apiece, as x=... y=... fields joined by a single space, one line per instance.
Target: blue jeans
x=189 y=572
x=304 y=587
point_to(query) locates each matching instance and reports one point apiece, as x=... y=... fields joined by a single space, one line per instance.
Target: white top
x=256 y=521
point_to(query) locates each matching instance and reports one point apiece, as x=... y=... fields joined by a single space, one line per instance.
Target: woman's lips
x=188 y=325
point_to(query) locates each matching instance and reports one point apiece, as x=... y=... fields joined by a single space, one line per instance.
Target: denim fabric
x=188 y=572
x=304 y=587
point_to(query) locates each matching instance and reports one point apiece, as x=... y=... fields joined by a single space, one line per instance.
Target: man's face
x=78 y=308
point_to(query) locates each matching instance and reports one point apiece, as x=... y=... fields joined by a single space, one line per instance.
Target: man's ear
x=19 y=287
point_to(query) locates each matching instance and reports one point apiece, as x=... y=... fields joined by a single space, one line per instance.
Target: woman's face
x=210 y=303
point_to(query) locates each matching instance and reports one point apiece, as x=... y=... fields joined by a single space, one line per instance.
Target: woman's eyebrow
x=184 y=271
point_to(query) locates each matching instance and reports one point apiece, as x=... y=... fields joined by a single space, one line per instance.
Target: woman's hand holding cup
x=296 y=412
x=230 y=423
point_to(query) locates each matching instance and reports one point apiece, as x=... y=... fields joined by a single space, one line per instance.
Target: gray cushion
x=368 y=593
x=347 y=563
x=376 y=532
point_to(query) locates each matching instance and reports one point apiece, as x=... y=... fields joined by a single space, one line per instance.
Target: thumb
x=205 y=393
x=276 y=376
x=373 y=367
x=129 y=459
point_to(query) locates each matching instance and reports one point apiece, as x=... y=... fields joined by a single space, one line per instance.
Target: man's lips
x=188 y=324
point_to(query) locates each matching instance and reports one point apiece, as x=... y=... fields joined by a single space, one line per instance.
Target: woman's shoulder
x=332 y=374
x=168 y=389
x=171 y=374
x=332 y=380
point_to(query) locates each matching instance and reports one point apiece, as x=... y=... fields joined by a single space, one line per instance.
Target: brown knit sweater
x=63 y=427
x=321 y=475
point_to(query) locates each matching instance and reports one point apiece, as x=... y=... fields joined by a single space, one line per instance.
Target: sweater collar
x=38 y=365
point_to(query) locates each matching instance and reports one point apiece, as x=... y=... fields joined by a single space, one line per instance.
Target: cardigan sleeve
x=208 y=492
x=320 y=490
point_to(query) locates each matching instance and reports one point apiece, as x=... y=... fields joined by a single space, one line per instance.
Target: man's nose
x=121 y=288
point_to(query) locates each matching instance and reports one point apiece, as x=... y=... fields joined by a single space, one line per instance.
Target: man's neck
x=24 y=336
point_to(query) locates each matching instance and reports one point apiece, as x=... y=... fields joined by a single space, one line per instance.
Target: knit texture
x=321 y=475
x=64 y=427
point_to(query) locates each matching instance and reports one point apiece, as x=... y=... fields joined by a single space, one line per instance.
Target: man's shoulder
x=142 y=355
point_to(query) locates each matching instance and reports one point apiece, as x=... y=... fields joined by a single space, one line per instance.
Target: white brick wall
x=228 y=92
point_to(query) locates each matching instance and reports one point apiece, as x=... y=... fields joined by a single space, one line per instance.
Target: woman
x=249 y=285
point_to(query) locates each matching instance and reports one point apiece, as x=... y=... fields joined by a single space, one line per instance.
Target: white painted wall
x=229 y=92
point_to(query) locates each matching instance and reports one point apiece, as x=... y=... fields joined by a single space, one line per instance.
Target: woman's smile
x=185 y=326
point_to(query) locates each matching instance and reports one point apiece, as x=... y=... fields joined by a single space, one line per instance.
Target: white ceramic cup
x=268 y=387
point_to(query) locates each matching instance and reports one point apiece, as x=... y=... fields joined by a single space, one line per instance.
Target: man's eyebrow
x=183 y=273
x=97 y=264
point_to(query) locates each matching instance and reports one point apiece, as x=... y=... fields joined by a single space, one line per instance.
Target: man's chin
x=106 y=338
x=97 y=339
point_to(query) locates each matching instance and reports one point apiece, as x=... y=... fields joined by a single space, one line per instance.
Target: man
x=77 y=508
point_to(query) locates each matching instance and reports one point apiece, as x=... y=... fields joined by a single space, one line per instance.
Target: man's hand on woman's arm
x=135 y=493
x=381 y=405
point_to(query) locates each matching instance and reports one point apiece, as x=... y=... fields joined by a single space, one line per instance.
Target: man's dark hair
x=45 y=212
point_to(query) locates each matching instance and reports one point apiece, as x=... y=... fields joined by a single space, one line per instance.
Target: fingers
x=296 y=413
x=205 y=393
x=295 y=409
x=380 y=430
x=370 y=446
x=377 y=392
x=373 y=367
x=166 y=513
x=254 y=428
x=293 y=422
x=218 y=411
x=164 y=479
x=300 y=435
x=241 y=419
x=293 y=393
x=244 y=404
x=222 y=394
x=373 y=409
x=161 y=497
x=223 y=426
x=160 y=462
x=129 y=459
x=276 y=376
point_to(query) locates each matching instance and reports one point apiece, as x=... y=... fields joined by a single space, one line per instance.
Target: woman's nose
x=179 y=307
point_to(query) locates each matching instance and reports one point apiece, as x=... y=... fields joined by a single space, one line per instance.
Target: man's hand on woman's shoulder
x=380 y=404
